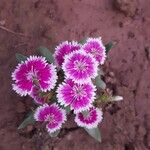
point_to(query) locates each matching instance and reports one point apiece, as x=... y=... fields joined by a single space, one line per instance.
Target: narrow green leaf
x=46 y=53
x=29 y=120
x=67 y=109
x=95 y=133
x=109 y=46
x=100 y=83
x=54 y=98
x=85 y=113
x=20 y=57
x=101 y=72
x=54 y=134
x=82 y=41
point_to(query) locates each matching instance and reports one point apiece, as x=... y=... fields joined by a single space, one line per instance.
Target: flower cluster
x=78 y=92
x=37 y=78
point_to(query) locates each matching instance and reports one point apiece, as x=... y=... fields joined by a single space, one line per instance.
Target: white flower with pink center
x=63 y=49
x=95 y=47
x=89 y=119
x=53 y=115
x=80 y=67
x=34 y=71
x=78 y=96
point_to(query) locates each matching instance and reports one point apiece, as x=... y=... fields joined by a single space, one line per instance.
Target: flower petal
x=90 y=120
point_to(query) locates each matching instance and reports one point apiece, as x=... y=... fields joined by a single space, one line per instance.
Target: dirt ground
x=126 y=124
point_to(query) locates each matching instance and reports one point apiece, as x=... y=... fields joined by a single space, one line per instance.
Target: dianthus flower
x=96 y=48
x=36 y=94
x=34 y=71
x=78 y=96
x=80 y=67
x=89 y=119
x=63 y=49
x=52 y=114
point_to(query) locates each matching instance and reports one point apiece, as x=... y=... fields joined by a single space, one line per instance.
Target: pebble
x=69 y=137
x=127 y=7
x=147 y=51
x=2 y=22
x=30 y=128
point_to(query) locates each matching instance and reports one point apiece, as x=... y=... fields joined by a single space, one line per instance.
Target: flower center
x=94 y=52
x=79 y=91
x=80 y=66
x=50 y=118
x=86 y=114
x=32 y=75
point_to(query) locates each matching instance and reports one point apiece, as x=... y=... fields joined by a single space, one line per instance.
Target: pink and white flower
x=78 y=96
x=89 y=119
x=34 y=71
x=80 y=67
x=52 y=115
x=36 y=94
x=63 y=49
x=96 y=48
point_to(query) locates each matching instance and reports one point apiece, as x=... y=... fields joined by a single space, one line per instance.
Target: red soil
x=126 y=124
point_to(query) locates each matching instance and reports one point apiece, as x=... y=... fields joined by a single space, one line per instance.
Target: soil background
x=126 y=124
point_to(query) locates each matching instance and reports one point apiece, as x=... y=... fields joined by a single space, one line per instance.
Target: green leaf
x=104 y=98
x=46 y=53
x=100 y=83
x=20 y=57
x=29 y=120
x=85 y=113
x=110 y=45
x=67 y=109
x=101 y=72
x=82 y=41
x=95 y=133
x=54 y=134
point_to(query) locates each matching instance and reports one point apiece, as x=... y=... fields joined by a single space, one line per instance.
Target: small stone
x=129 y=146
x=148 y=139
x=128 y=7
x=111 y=74
x=110 y=80
x=120 y=24
x=45 y=147
x=23 y=146
x=40 y=133
x=142 y=131
x=131 y=35
x=147 y=51
x=140 y=146
x=30 y=128
x=2 y=22
x=69 y=137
